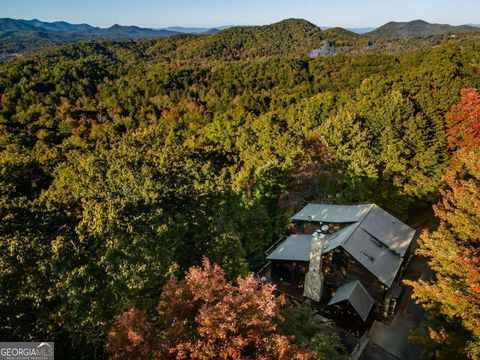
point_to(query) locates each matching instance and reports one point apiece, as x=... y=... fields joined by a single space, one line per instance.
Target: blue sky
x=210 y=13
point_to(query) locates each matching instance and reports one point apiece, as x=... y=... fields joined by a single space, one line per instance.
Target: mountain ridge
x=9 y=24
x=419 y=28
x=196 y=30
x=289 y=37
x=63 y=26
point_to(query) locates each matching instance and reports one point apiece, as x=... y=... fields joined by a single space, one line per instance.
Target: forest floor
x=390 y=341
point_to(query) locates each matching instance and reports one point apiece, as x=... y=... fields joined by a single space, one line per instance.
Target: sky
x=211 y=13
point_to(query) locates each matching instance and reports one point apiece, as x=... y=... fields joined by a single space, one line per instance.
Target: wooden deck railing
x=270 y=249
x=361 y=345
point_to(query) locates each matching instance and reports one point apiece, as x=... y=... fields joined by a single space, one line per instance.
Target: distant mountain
x=341 y=35
x=419 y=28
x=187 y=30
x=60 y=26
x=131 y=32
x=361 y=30
x=354 y=30
x=81 y=30
x=211 y=31
x=287 y=38
x=298 y=37
x=7 y=24
x=340 y=32
x=25 y=35
x=196 y=30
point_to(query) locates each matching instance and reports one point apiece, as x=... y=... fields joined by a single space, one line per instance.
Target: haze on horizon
x=212 y=13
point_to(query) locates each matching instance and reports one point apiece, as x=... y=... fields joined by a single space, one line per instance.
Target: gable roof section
x=379 y=243
x=357 y=296
x=297 y=247
x=374 y=256
x=388 y=229
x=375 y=239
x=332 y=213
x=339 y=238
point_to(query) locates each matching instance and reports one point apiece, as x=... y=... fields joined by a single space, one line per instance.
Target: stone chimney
x=314 y=280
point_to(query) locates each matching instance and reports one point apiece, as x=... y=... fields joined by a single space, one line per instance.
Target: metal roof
x=297 y=247
x=332 y=213
x=374 y=256
x=357 y=296
x=294 y=248
x=339 y=238
x=379 y=243
x=376 y=239
x=388 y=229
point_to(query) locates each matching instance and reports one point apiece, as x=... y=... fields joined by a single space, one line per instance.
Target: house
x=346 y=259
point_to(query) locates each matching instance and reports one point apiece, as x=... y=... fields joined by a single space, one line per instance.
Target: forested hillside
x=420 y=28
x=292 y=38
x=123 y=163
x=26 y=36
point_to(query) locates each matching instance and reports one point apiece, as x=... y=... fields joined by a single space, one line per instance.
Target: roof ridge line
x=358 y=223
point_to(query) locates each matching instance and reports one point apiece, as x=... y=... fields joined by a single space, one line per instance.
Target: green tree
x=307 y=328
x=452 y=299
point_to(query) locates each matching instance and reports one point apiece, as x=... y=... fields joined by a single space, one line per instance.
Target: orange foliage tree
x=206 y=317
x=132 y=336
x=463 y=121
x=454 y=254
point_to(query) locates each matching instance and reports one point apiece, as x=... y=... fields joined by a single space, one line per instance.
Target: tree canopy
x=452 y=299
x=204 y=316
x=123 y=163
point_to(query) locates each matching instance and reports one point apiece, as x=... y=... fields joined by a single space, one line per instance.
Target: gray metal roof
x=297 y=247
x=374 y=256
x=357 y=296
x=379 y=243
x=294 y=248
x=332 y=213
x=388 y=229
x=339 y=238
x=376 y=239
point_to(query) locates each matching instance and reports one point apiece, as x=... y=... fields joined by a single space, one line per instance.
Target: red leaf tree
x=132 y=337
x=463 y=122
x=206 y=317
